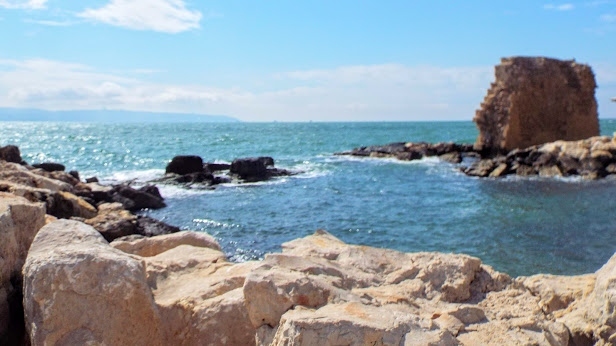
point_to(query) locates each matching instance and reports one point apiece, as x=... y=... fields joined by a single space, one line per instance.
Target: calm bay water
x=520 y=226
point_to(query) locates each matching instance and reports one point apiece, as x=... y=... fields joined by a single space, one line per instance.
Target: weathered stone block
x=536 y=100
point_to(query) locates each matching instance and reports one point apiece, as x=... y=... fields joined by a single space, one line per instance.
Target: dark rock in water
x=481 y=168
x=569 y=165
x=215 y=167
x=185 y=164
x=409 y=155
x=50 y=166
x=220 y=180
x=10 y=153
x=278 y=172
x=250 y=168
x=267 y=161
x=454 y=157
x=74 y=174
x=152 y=190
x=133 y=199
x=197 y=177
x=150 y=227
x=92 y=180
x=408 y=151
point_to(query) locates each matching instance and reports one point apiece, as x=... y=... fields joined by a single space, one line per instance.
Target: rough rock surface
x=318 y=291
x=536 y=100
x=20 y=220
x=78 y=290
x=408 y=151
x=590 y=158
x=10 y=153
x=148 y=247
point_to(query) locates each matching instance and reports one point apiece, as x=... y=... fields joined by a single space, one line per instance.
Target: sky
x=275 y=60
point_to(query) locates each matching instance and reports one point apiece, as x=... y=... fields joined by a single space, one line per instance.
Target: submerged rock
x=185 y=164
x=535 y=100
x=50 y=166
x=408 y=151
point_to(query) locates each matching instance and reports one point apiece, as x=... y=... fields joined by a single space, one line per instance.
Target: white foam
x=138 y=176
x=426 y=160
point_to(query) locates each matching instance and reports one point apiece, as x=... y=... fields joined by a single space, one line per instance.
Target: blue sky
x=289 y=60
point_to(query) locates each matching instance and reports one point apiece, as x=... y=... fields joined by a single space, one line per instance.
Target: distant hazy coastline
x=17 y=114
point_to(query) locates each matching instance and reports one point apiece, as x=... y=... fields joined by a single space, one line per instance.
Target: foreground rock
x=408 y=151
x=19 y=222
x=535 y=100
x=180 y=289
x=78 y=290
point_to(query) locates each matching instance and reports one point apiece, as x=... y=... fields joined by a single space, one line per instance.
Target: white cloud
x=368 y=92
x=562 y=7
x=29 y=4
x=169 y=16
x=50 y=22
x=387 y=92
x=608 y=18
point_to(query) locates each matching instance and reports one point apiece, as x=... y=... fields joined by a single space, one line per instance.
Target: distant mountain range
x=18 y=114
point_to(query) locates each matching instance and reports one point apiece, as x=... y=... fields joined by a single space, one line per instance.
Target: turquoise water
x=520 y=226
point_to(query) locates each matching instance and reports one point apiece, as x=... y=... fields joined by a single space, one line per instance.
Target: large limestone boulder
x=20 y=220
x=198 y=293
x=78 y=290
x=536 y=100
x=204 y=305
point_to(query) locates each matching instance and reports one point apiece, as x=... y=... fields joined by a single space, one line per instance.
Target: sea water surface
x=521 y=226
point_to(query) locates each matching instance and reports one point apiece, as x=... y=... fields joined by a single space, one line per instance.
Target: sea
x=521 y=226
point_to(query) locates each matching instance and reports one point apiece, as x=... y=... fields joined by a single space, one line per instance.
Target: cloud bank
x=347 y=93
x=29 y=4
x=168 y=16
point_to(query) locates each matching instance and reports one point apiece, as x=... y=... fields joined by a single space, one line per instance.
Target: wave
x=429 y=160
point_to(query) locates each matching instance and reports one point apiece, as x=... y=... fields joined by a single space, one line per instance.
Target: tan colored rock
x=536 y=100
x=200 y=297
x=346 y=324
x=20 y=220
x=60 y=204
x=78 y=290
x=555 y=292
x=19 y=174
x=81 y=208
x=152 y=246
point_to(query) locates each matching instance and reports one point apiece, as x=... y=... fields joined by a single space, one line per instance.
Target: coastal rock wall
x=536 y=100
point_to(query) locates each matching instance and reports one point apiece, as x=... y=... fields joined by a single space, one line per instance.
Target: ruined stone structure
x=536 y=100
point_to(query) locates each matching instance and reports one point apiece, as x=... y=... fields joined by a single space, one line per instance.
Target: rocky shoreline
x=97 y=273
x=591 y=158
